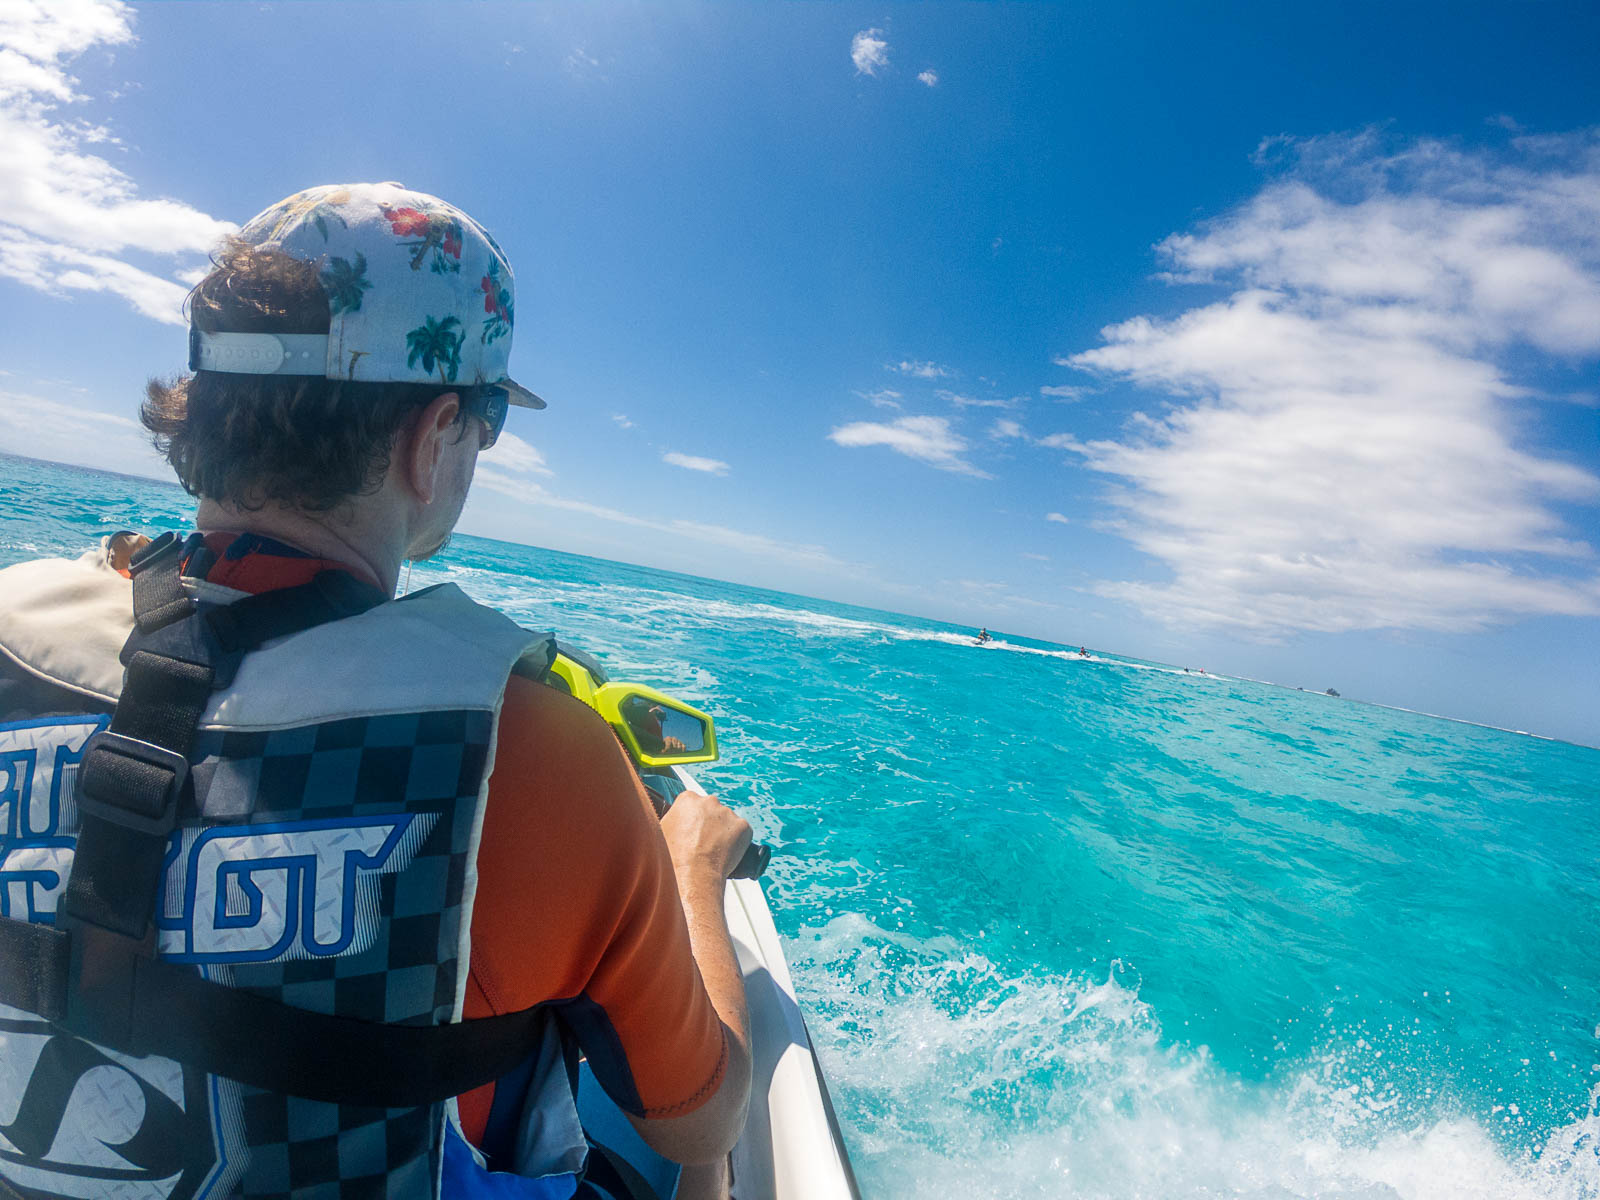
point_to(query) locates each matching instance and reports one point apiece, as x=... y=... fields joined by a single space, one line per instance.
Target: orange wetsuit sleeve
x=577 y=904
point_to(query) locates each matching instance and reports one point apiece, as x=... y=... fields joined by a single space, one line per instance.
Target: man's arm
x=706 y=840
x=579 y=904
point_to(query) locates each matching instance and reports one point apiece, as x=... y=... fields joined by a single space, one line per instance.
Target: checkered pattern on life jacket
x=357 y=769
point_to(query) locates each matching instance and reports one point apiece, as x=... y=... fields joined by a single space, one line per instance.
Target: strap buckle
x=131 y=783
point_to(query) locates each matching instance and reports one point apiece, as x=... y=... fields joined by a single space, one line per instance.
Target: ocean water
x=1071 y=927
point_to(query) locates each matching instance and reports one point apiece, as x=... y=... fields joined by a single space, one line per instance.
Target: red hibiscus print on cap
x=407 y=222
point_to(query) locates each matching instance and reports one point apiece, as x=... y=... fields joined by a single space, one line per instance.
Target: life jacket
x=236 y=890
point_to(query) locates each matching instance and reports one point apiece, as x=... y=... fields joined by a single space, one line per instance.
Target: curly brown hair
x=254 y=440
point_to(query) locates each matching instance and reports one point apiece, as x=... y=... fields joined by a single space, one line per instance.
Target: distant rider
x=316 y=799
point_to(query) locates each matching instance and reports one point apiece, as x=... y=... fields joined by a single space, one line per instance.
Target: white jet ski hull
x=792 y=1148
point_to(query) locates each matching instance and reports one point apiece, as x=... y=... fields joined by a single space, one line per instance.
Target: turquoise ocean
x=1069 y=927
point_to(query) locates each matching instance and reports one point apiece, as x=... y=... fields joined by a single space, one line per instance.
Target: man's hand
x=704 y=835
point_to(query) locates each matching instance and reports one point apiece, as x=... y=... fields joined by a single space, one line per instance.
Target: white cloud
x=509 y=467
x=922 y=370
x=35 y=35
x=529 y=491
x=1006 y=428
x=1035 y=557
x=869 y=51
x=881 y=398
x=1064 y=393
x=1059 y=441
x=43 y=427
x=622 y=421
x=926 y=439
x=929 y=77
x=1344 y=454
x=962 y=401
x=68 y=216
x=513 y=454
x=990 y=595
x=1057 y=518
x=693 y=462
x=756 y=543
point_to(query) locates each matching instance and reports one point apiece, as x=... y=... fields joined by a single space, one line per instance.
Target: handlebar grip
x=754 y=863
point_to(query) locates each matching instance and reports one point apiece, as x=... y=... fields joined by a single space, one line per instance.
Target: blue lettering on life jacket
x=233 y=893
x=38 y=767
x=292 y=889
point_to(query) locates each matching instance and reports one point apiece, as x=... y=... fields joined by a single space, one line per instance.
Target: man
x=332 y=904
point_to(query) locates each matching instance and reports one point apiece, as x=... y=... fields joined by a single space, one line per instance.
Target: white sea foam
x=518 y=592
x=663 y=608
x=956 y=1080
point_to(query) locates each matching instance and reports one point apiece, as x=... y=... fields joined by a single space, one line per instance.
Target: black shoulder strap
x=95 y=972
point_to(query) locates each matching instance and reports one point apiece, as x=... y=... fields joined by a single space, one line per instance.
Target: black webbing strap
x=267 y=1044
x=158 y=595
x=129 y=786
x=33 y=967
x=95 y=973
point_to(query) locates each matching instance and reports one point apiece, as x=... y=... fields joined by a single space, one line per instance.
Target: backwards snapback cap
x=418 y=292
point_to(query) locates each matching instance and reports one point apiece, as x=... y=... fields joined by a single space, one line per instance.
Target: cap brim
x=519 y=395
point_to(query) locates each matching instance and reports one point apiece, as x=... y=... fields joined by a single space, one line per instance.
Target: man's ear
x=421 y=450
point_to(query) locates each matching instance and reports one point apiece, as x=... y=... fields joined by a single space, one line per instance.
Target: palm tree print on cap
x=436 y=342
x=437 y=233
x=344 y=283
x=325 y=210
x=497 y=303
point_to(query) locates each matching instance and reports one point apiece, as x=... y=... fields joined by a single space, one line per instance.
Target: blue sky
x=1262 y=340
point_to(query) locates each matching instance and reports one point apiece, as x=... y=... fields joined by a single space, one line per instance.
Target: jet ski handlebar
x=754 y=863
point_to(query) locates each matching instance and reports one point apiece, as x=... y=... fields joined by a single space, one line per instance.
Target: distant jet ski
x=983 y=636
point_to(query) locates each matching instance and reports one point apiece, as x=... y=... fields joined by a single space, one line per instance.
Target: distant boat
x=1333 y=692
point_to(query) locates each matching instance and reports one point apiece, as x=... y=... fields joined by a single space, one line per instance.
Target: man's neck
x=366 y=553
